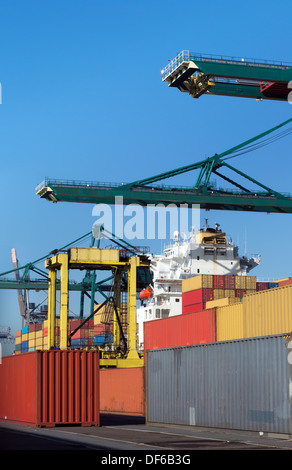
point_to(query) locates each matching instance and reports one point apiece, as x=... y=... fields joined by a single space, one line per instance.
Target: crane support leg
x=51 y=308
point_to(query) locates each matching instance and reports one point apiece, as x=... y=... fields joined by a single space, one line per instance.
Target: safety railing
x=182 y=57
x=187 y=56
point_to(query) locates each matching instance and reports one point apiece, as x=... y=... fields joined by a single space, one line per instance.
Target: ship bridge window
x=157 y=313
x=177 y=300
x=165 y=312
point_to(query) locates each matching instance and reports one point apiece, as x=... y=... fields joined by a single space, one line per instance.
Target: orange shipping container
x=45 y=388
x=122 y=391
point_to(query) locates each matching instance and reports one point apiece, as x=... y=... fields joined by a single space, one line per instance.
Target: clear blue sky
x=82 y=98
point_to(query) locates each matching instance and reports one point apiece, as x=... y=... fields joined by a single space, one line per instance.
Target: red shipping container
x=229 y=282
x=180 y=330
x=81 y=333
x=193 y=308
x=218 y=282
x=261 y=286
x=45 y=388
x=197 y=296
x=239 y=292
x=285 y=282
x=102 y=328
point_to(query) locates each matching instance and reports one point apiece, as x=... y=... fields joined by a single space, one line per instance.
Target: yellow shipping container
x=31 y=335
x=218 y=294
x=18 y=340
x=248 y=291
x=240 y=282
x=250 y=282
x=268 y=312
x=24 y=337
x=222 y=302
x=229 y=293
x=229 y=322
x=39 y=334
x=31 y=343
x=203 y=281
x=45 y=324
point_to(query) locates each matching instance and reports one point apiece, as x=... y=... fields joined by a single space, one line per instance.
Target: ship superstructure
x=206 y=252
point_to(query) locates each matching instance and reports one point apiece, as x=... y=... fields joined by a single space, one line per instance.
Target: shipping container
x=243 y=385
x=48 y=388
x=101 y=340
x=218 y=294
x=202 y=281
x=284 y=282
x=268 y=312
x=222 y=302
x=229 y=322
x=122 y=391
x=239 y=293
x=192 y=328
x=250 y=282
x=229 y=282
x=218 y=282
x=193 y=308
x=261 y=286
x=196 y=296
x=239 y=282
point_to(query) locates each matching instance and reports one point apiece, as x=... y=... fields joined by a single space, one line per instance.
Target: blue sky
x=82 y=98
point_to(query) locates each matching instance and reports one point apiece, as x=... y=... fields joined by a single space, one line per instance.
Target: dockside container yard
x=225 y=362
x=178 y=340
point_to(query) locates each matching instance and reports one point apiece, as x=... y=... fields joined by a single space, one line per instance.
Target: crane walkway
x=197 y=74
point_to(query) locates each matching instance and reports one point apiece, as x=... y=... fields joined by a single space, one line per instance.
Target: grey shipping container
x=241 y=384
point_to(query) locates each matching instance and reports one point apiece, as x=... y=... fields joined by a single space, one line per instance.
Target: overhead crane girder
x=202 y=193
x=199 y=74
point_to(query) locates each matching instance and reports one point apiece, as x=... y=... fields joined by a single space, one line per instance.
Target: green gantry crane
x=203 y=192
x=199 y=74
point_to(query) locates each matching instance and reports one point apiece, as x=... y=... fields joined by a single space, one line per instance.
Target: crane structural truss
x=203 y=192
x=199 y=74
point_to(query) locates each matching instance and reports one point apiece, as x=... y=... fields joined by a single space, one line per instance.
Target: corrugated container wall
x=45 y=388
x=180 y=330
x=243 y=384
x=268 y=312
x=229 y=322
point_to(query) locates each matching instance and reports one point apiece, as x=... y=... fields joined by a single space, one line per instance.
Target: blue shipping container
x=24 y=330
x=79 y=342
x=102 y=339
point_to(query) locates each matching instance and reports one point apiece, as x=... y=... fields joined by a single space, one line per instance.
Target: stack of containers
x=199 y=291
x=24 y=339
x=82 y=338
x=196 y=291
x=103 y=331
x=31 y=337
x=45 y=335
x=261 y=313
x=18 y=341
x=39 y=338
